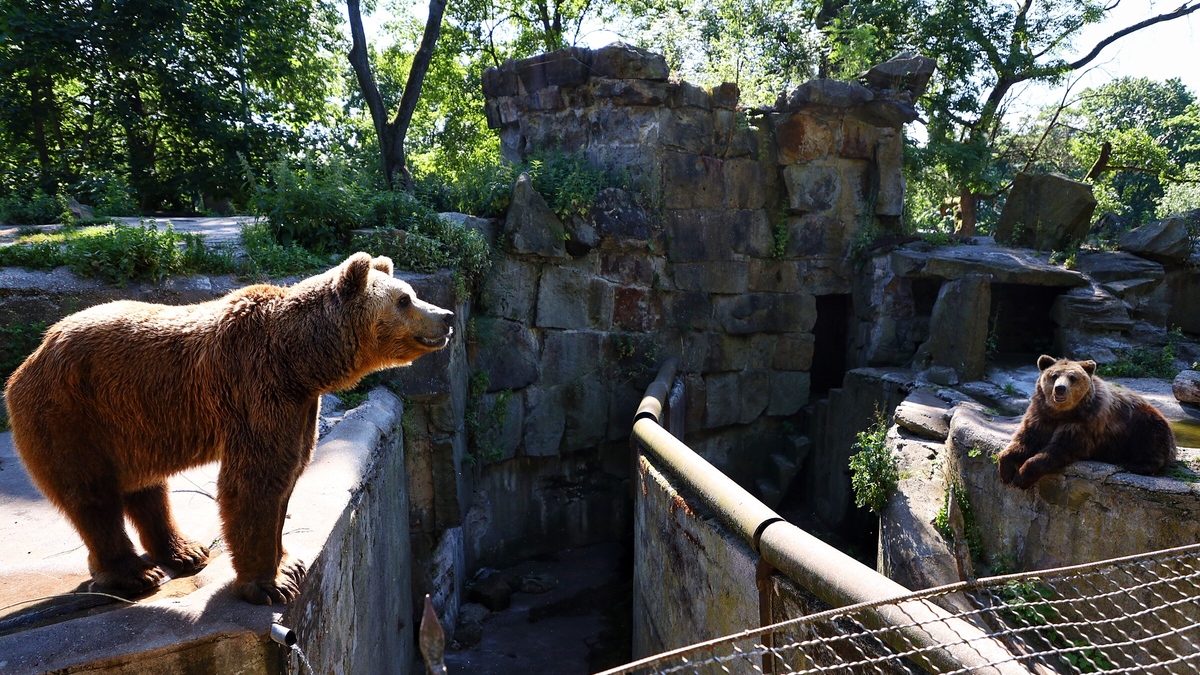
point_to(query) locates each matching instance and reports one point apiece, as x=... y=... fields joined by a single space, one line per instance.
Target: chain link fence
x=1139 y=614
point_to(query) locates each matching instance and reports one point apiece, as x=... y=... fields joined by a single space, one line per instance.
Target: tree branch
x=361 y=64
x=1183 y=10
x=416 y=77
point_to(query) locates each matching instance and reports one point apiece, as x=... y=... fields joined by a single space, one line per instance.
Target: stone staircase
x=780 y=469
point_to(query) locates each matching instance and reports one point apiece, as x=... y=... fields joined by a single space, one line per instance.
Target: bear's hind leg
x=150 y=511
x=97 y=513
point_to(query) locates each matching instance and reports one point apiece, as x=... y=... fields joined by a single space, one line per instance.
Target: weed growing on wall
x=874 y=470
x=485 y=423
x=941 y=522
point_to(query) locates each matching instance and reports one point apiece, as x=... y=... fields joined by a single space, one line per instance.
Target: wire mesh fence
x=1139 y=614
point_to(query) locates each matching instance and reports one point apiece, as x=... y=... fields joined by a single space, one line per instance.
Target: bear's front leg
x=253 y=507
x=1050 y=460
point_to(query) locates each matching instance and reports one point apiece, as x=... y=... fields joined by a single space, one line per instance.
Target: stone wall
x=734 y=221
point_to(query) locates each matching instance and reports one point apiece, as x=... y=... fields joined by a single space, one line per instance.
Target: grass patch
x=941 y=522
x=17 y=342
x=874 y=470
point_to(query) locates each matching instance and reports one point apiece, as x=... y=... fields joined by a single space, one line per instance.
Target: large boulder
x=1046 y=211
x=531 y=226
x=1187 y=387
x=959 y=326
x=1165 y=241
x=905 y=71
x=626 y=62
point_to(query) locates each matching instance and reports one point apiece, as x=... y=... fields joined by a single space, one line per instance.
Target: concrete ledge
x=348 y=520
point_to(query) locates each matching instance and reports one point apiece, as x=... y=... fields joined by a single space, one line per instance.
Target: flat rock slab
x=1187 y=387
x=925 y=415
x=1005 y=265
x=1109 y=266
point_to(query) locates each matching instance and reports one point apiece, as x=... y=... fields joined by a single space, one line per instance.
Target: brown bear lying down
x=120 y=396
x=1075 y=415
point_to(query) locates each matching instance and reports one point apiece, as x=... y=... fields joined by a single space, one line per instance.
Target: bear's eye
x=404 y=302
x=1072 y=378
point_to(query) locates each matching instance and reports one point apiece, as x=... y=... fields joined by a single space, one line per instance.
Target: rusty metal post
x=433 y=640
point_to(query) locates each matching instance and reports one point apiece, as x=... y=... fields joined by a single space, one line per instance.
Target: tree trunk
x=968 y=204
x=392 y=134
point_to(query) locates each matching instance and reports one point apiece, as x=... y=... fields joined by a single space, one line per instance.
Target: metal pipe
x=283 y=635
x=830 y=574
x=656 y=394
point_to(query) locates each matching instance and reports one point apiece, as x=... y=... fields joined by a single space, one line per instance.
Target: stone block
x=622 y=61
x=855 y=193
x=493 y=592
x=1183 y=289
x=585 y=406
x=804 y=137
x=1165 y=241
x=812 y=187
x=767 y=313
x=789 y=392
x=712 y=277
x=570 y=298
x=568 y=356
x=622 y=406
x=560 y=130
x=629 y=269
x=620 y=220
x=690 y=95
x=959 y=326
x=889 y=162
x=1045 y=211
x=744 y=185
x=754 y=394
x=637 y=309
x=696 y=235
x=612 y=127
x=733 y=137
x=925 y=415
x=722 y=406
x=632 y=92
x=688 y=310
x=774 y=276
x=906 y=71
x=531 y=227
x=547 y=99
x=695 y=398
x=563 y=68
x=858 y=139
x=725 y=95
x=508 y=352
x=545 y=421
x=692 y=182
x=794 y=351
x=815 y=235
x=510 y=290
x=688 y=130
x=827 y=277
x=500 y=81
x=1186 y=387
x=832 y=93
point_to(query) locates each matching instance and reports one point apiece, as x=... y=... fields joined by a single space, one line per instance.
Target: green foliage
x=874 y=470
x=18 y=341
x=485 y=423
x=781 y=236
x=267 y=257
x=117 y=254
x=568 y=182
x=38 y=208
x=1032 y=604
x=314 y=206
x=1146 y=361
x=971 y=533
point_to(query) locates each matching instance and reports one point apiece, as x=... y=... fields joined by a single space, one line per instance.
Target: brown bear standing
x=1075 y=415
x=120 y=396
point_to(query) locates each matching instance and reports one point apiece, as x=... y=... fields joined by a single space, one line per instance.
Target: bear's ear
x=1045 y=362
x=351 y=277
x=383 y=264
x=1089 y=367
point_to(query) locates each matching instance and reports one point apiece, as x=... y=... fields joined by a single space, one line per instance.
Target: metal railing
x=1134 y=614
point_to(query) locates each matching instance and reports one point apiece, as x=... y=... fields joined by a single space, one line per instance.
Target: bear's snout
x=1060 y=390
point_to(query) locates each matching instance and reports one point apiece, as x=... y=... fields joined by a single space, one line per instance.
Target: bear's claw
x=283 y=589
x=187 y=557
x=130 y=578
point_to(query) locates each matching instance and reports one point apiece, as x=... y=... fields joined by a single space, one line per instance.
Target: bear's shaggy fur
x=1075 y=415
x=120 y=396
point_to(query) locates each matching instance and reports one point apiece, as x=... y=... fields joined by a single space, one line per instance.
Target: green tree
x=984 y=49
x=163 y=95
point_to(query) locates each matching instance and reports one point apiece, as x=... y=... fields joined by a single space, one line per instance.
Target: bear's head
x=1064 y=383
x=396 y=327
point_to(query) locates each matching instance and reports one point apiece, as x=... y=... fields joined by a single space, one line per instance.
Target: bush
x=267 y=257
x=38 y=208
x=314 y=206
x=1145 y=361
x=874 y=470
